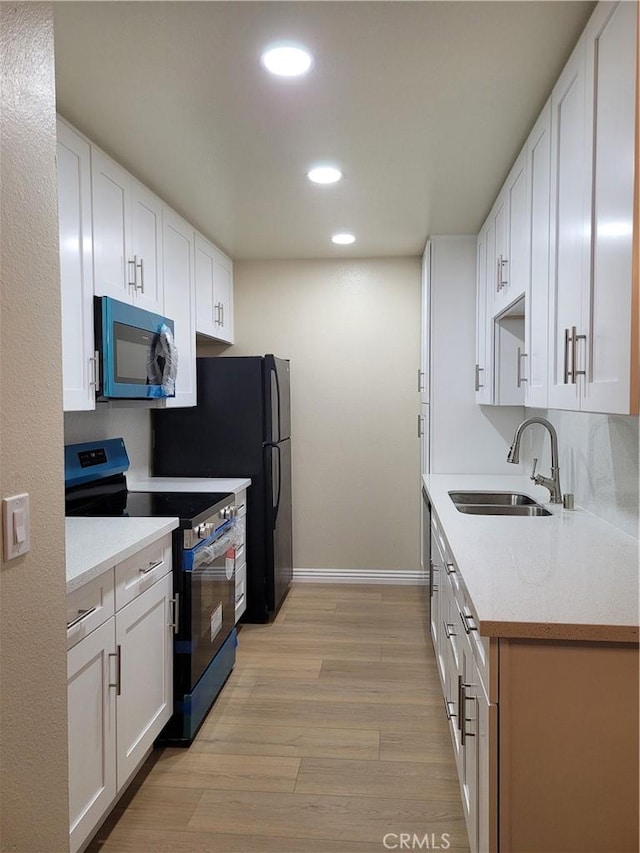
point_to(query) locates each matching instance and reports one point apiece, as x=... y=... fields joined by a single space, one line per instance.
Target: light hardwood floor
x=329 y=735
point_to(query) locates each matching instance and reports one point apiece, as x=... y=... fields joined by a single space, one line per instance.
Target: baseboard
x=409 y=577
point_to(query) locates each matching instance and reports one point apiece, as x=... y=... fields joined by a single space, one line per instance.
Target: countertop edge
x=120 y=554
x=560 y=632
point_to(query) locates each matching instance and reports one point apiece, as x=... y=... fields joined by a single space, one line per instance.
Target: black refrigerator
x=241 y=427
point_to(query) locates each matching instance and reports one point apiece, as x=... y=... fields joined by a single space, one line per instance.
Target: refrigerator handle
x=274 y=373
x=277 y=503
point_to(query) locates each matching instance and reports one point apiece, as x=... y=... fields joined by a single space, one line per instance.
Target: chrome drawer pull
x=151 y=567
x=118 y=681
x=175 y=601
x=468 y=622
x=82 y=614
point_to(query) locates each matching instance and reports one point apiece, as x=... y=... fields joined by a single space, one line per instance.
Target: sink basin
x=493 y=498
x=488 y=509
x=497 y=503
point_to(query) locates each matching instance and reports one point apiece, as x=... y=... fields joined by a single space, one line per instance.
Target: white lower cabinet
x=120 y=681
x=464 y=669
x=144 y=645
x=92 y=731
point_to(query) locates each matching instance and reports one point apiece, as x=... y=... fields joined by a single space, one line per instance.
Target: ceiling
x=424 y=105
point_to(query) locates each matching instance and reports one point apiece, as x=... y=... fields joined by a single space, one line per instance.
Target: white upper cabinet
x=536 y=316
x=76 y=269
x=508 y=263
x=593 y=120
x=127 y=235
x=180 y=302
x=483 y=372
x=214 y=291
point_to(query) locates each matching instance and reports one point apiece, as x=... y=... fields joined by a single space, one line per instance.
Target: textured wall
x=352 y=332
x=33 y=697
x=598 y=462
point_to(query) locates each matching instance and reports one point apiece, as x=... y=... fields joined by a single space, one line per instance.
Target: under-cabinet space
x=510 y=356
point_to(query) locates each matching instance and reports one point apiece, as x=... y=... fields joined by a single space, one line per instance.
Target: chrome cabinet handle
x=222 y=313
x=140 y=266
x=503 y=263
x=499 y=274
x=448 y=709
x=82 y=614
x=520 y=378
x=118 y=681
x=575 y=337
x=567 y=373
x=463 y=719
x=479 y=384
x=133 y=263
x=467 y=622
x=151 y=567
x=420 y=382
x=420 y=426
x=175 y=601
x=448 y=630
x=450 y=568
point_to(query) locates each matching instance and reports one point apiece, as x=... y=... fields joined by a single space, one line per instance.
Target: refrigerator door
x=279 y=520
x=277 y=402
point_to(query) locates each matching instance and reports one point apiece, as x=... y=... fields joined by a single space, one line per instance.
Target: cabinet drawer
x=89 y=606
x=241 y=503
x=241 y=590
x=141 y=571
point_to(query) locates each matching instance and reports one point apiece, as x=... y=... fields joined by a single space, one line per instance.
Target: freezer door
x=277 y=399
x=280 y=521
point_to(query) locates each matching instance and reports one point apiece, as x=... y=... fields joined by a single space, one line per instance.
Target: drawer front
x=241 y=503
x=241 y=590
x=138 y=573
x=89 y=606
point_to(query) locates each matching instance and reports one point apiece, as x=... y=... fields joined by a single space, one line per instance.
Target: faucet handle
x=533 y=470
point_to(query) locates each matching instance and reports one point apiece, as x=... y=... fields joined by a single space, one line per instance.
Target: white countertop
x=96 y=544
x=569 y=576
x=187 y=484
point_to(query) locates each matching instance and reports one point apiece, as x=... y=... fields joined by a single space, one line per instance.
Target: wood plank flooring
x=329 y=735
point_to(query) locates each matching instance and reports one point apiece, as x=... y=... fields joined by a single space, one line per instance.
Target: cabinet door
x=537 y=312
x=146 y=245
x=114 y=271
x=468 y=739
x=223 y=295
x=145 y=644
x=499 y=262
x=606 y=306
x=92 y=731
x=206 y=310
x=180 y=301
x=423 y=434
x=484 y=361
x=569 y=246
x=423 y=370
x=517 y=271
x=76 y=269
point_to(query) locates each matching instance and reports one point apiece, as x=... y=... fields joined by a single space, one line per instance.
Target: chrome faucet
x=553 y=482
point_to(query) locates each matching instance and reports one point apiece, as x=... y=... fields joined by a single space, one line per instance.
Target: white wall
x=352 y=332
x=598 y=462
x=114 y=420
x=33 y=694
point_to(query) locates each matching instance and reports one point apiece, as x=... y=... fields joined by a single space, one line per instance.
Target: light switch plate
x=16 y=526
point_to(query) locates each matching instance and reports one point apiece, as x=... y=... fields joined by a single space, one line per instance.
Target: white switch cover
x=16 y=524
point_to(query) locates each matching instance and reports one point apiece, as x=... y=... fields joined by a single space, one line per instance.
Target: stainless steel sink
x=497 y=503
x=488 y=509
x=497 y=498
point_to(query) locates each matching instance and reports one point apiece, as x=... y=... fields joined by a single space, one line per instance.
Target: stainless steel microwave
x=136 y=354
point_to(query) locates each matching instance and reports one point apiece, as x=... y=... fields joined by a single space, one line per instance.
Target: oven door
x=211 y=583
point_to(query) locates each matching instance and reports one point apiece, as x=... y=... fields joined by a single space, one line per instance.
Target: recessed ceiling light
x=343 y=239
x=324 y=174
x=287 y=60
